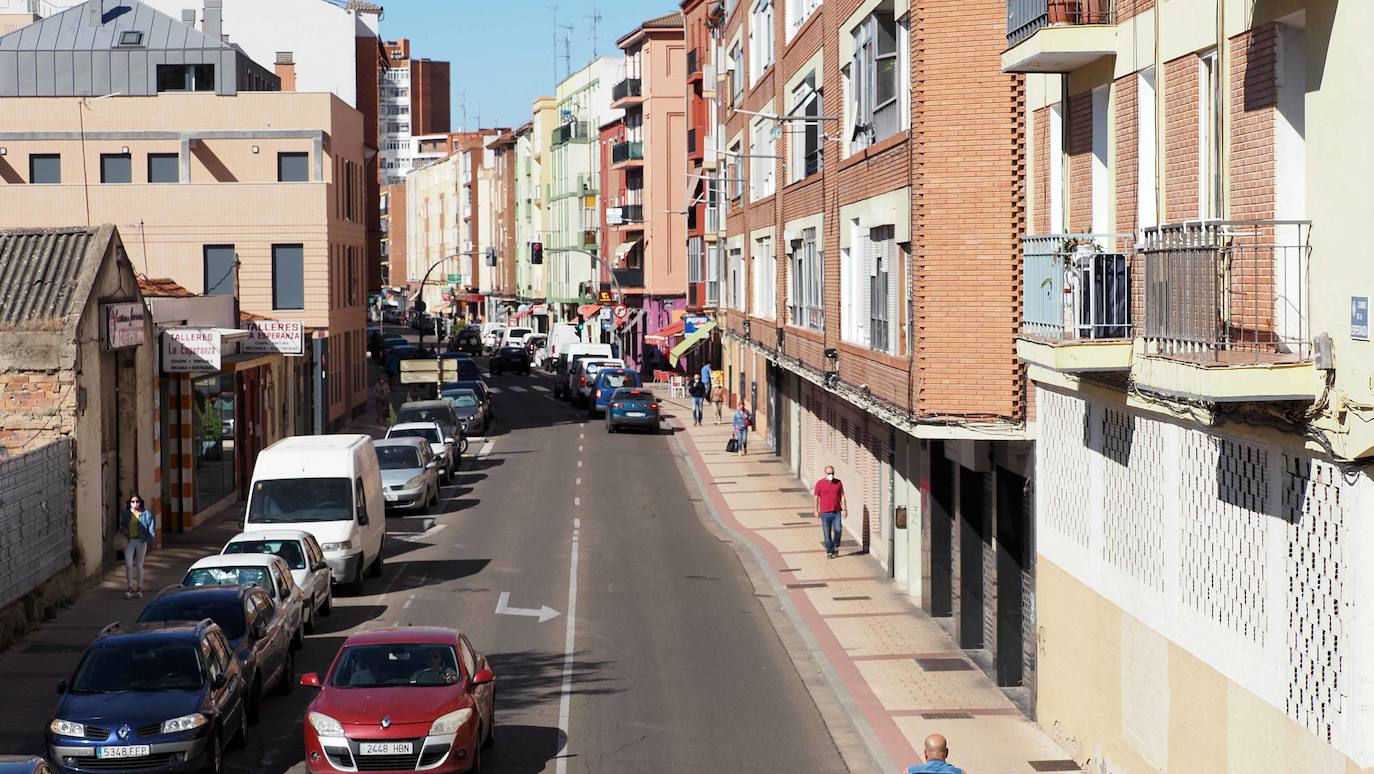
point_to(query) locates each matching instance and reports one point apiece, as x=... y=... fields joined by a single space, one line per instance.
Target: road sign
x=605 y=313
x=620 y=311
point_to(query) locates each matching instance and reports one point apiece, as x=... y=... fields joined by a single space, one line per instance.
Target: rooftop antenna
x=596 y=18
x=463 y=100
x=567 y=48
x=553 y=10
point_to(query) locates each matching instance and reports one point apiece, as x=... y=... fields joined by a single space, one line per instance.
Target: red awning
x=588 y=310
x=666 y=332
x=527 y=310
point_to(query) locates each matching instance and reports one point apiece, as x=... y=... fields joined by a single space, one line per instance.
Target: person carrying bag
x=137 y=531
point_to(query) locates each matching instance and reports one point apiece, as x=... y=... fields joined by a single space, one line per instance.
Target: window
x=1209 y=137
x=212 y=423
x=798 y=11
x=185 y=77
x=288 y=277
x=131 y=38
x=1098 y=174
x=736 y=172
x=760 y=40
x=1057 y=168
x=873 y=76
x=761 y=160
x=765 y=271
x=116 y=168
x=220 y=264
x=293 y=168
x=807 y=282
x=712 y=274
x=868 y=295
x=735 y=285
x=1146 y=181
x=164 y=168
x=45 y=168
x=736 y=73
x=805 y=140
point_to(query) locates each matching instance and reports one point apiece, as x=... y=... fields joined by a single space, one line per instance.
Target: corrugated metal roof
x=47 y=274
x=68 y=31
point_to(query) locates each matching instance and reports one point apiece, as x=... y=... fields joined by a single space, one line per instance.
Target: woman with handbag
x=137 y=530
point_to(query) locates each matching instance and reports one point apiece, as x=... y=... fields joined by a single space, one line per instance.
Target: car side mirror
x=220 y=680
x=62 y=685
x=483 y=677
x=317 y=566
x=449 y=439
x=310 y=680
x=431 y=465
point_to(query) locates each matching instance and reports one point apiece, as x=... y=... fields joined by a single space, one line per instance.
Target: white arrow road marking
x=544 y=613
x=486 y=449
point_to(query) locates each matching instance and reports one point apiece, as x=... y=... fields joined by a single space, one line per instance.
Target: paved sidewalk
x=903 y=672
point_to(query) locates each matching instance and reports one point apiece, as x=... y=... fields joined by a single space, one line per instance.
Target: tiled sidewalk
x=903 y=672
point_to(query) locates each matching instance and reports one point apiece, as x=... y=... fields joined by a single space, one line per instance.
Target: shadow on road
x=521 y=749
x=432 y=572
x=530 y=678
x=346 y=617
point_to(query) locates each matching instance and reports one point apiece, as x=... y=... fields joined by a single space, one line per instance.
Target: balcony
x=625 y=93
x=694 y=65
x=1058 y=36
x=628 y=278
x=631 y=217
x=574 y=130
x=627 y=154
x=1226 y=312
x=693 y=147
x=1077 y=291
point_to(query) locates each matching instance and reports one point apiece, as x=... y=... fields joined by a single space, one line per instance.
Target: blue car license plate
x=635 y=414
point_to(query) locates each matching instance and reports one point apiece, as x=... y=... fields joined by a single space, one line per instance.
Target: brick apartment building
x=867 y=281
x=1195 y=323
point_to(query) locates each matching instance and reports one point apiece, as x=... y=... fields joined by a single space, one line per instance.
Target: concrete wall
x=36 y=520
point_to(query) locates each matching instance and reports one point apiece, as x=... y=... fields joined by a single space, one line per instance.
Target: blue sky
x=502 y=50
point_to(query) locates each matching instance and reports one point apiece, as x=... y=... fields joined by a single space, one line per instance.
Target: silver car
x=410 y=473
x=303 y=555
x=267 y=571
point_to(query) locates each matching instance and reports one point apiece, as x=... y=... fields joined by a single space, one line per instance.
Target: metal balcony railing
x=630 y=87
x=1026 y=17
x=1228 y=292
x=627 y=151
x=631 y=214
x=629 y=278
x=693 y=61
x=575 y=130
x=1077 y=286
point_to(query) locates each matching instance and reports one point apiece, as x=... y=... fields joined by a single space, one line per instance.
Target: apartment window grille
x=874 y=75
x=807 y=283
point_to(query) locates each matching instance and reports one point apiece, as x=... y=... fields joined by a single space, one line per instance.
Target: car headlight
x=67 y=728
x=325 y=725
x=415 y=483
x=183 y=723
x=344 y=546
x=450 y=723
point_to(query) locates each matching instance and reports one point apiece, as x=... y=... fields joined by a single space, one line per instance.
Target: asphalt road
x=662 y=660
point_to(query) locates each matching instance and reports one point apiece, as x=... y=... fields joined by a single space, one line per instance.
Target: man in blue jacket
x=937 y=750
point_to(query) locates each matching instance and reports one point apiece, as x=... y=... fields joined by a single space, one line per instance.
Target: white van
x=491 y=335
x=329 y=486
x=562 y=336
x=562 y=387
x=514 y=337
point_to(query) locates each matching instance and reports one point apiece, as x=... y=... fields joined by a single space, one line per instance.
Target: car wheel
x=310 y=621
x=490 y=741
x=255 y=702
x=287 y=682
x=214 y=756
x=376 y=570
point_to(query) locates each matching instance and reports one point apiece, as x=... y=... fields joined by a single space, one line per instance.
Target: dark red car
x=406 y=699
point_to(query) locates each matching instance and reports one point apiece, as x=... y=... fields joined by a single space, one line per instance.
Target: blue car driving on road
x=155 y=697
x=608 y=380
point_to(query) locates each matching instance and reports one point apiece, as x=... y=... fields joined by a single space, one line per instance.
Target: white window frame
x=734 y=267
x=807 y=100
x=1100 y=176
x=765 y=274
x=1056 y=168
x=806 y=286
x=864 y=126
x=798 y=12
x=713 y=274
x=736 y=72
x=1209 y=98
x=736 y=170
x=762 y=159
x=1147 y=180
x=761 y=32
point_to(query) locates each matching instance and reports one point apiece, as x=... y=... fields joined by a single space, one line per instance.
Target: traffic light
x=536 y=252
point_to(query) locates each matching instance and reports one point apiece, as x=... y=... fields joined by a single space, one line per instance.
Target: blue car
x=632 y=407
x=155 y=697
x=608 y=380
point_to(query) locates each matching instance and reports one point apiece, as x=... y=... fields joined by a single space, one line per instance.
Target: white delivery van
x=562 y=336
x=514 y=337
x=329 y=486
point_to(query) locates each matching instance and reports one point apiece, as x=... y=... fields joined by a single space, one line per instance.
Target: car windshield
x=288 y=550
x=519 y=333
x=633 y=395
x=290 y=500
x=512 y=351
x=465 y=399
x=398 y=457
x=153 y=666
x=614 y=379
x=234 y=576
x=395 y=665
x=428 y=414
x=430 y=434
x=228 y=612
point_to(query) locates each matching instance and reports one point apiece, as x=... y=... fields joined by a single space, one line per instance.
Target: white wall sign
x=284 y=336
x=191 y=350
x=124 y=324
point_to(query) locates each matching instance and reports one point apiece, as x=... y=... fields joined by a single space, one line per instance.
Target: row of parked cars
x=171 y=691
x=590 y=378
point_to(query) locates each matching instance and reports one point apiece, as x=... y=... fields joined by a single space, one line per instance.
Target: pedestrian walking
x=698 y=392
x=137 y=530
x=936 y=754
x=382 y=391
x=718 y=399
x=831 y=507
x=706 y=376
x=741 y=423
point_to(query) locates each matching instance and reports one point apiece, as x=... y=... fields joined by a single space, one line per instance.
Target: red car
x=405 y=699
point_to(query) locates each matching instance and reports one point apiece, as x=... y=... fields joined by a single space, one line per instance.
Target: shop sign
x=691 y=322
x=1359 y=318
x=604 y=296
x=124 y=324
x=191 y=350
x=284 y=336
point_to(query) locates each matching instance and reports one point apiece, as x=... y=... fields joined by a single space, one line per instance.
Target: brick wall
x=1126 y=9
x=1080 y=152
x=1180 y=172
x=1127 y=123
x=1041 y=129
x=1253 y=104
x=36 y=517
x=34 y=406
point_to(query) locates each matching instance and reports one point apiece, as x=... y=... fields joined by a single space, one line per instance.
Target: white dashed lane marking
x=517 y=388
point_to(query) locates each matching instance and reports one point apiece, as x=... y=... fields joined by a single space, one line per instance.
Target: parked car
x=438 y=411
x=165 y=697
x=398 y=353
x=632 y=407
x=608 y=380
x=467 y=367
x=510 y=359
x=258 y=635
x=266 y=571
x=303 y=556
x=567 y=361
x=537 y=345
x=468 y=341
x=410 y=473
x=470 y=411
x=329 y=486
x=25 y=764
x=478 y=386
x=439 y=691
x=385 y=344
x=585 y=382
x=515 y=336
x=445 y=447
x=391 y=314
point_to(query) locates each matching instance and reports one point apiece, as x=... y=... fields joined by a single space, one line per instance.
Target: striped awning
x=681 y=348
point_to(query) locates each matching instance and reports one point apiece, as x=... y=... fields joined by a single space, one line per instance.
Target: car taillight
x=617 y=405
x=598 y=394
x=653 y=405
x=582 y=380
